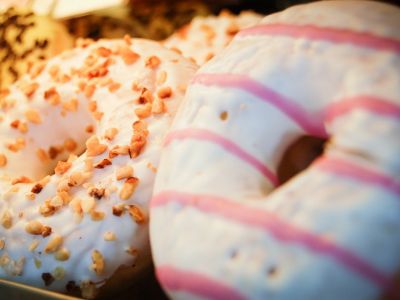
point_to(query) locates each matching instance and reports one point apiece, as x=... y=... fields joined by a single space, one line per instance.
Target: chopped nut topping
x=89 y=129
x=111 y=133
x=18 y=145
x=140 y=127
x=128 y=188
x=42 y=155
x=162 y=77
x=6 y=220
x=54 y=244
x=98 y=262
x=128 y=56
x=37 y=188
x=104 y=163
x=124 y=172
x=22 y=179
x=89 y=90
x=52 y=96
x=118 y=150
x=94 y=147
x=30 y=196
x=78 y=178
x=152 y=62
x=30 y=88
x=145 y=97
x=158 y=106
x=58 y=273
x=70 y=145
x=2 y=244
x=97 y=215
x=34 y=227
x=114 y=87
x=36 y=69
x=128 y=39
x=46 y=231
x=143 y=111
x=97 y=193
x=136 y=214
x=109 y=236
x=232 y=29
x=62 y=167
x=62 y=254
x=87 y=204
x=132 y=251
x=104 y=52
x=88 y=290
x=117 y=210
x=3 y=160
x=54 y=70
x=71 y=105
x=164 y=92
x=138 y=141
x=92 y=106
x=54 y=151
x=33 y=116
x=38 y=263
x=33 y=245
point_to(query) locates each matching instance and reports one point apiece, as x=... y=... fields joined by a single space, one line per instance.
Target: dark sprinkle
x=47 y=278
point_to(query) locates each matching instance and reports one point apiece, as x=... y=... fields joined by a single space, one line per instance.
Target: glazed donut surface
x=222 y=227
x=113 y=101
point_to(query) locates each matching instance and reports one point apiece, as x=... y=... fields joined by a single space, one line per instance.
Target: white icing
x=83 y=235
x=358 y=216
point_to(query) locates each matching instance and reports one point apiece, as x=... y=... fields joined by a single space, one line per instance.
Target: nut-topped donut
x=205 y=37
x=75 y=228
x=222 y=227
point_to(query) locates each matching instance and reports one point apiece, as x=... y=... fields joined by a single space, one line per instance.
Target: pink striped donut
x=221 y=229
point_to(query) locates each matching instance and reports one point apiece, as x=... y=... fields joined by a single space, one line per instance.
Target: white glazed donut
x=219 y=227
x=76 y=228
x=205 y=37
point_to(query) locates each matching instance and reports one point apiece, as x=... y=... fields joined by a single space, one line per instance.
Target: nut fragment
x=34 y=227
x=128 y=188
x=54 y=244
x=136 y=214
x=109 y=236
x=111 y=133
x=94 y=147
x=98 y=262
x=124 y=172
x=152 y=62
x=33 y=116
x=6 y=220
x=62 y=167
x=62 y=254
x=164 y=92
x=3 y=160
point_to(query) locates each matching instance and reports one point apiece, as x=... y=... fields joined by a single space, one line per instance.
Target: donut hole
x=299 y=155
x=223 y=115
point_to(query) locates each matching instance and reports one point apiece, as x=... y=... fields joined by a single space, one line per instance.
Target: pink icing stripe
x=310 y=123
x=194 y=283
x=373 y=104
x=281 y=230
x=228 y=145
x=334 y=35
x=357 y=172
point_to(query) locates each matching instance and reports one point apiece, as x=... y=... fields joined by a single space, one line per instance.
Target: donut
x=204 y=37
x=221 y=224
x=26 y=38
x=80 y=142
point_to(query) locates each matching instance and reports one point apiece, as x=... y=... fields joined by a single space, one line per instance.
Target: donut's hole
x=299 y=156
